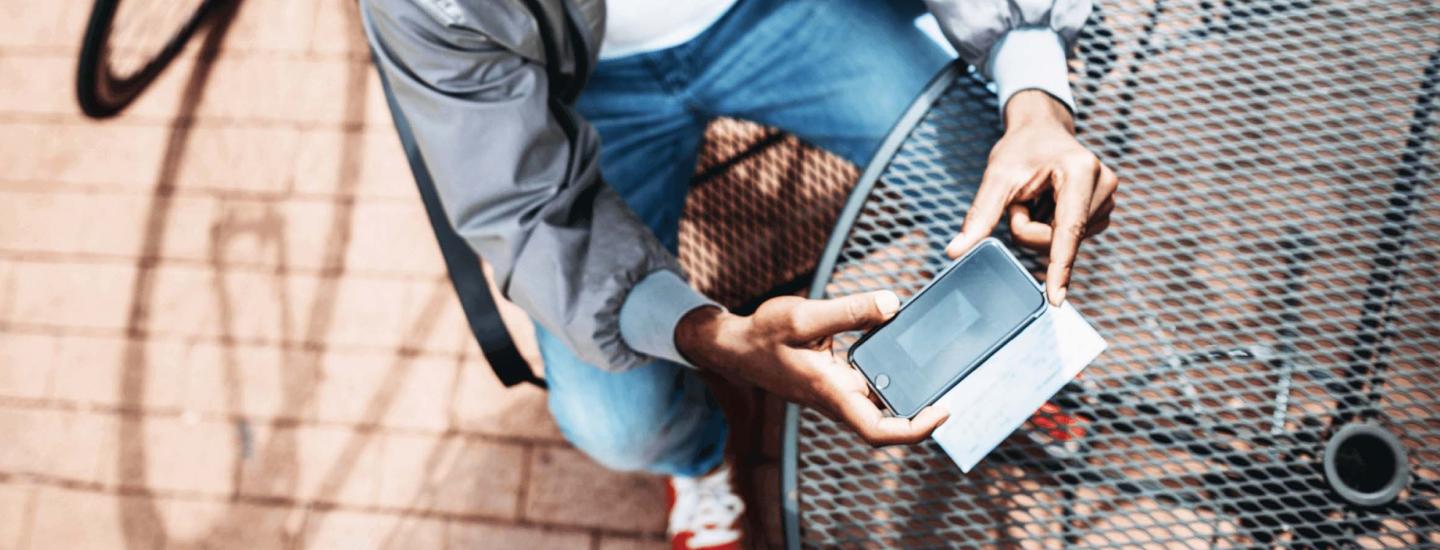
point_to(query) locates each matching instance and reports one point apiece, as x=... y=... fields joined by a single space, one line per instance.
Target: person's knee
x=655 y=417
x=626 y=440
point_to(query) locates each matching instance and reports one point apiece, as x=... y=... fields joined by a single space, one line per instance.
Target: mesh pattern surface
x=761 y=207
x=1271 y=276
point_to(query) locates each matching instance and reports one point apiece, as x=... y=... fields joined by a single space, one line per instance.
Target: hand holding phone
x=949 y=328
x=785 y=348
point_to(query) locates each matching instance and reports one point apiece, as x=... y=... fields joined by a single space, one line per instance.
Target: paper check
x=1006 y=389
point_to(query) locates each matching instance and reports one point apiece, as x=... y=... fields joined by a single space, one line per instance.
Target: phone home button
x=882 y=381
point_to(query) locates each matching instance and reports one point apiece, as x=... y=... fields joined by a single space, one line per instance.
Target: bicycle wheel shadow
x=140 y=519
x=271 y=466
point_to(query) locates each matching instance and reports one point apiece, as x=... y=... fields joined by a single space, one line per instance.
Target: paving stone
x=47 y=72
x=278 y=26
x=214 y=379
x=188 y=520
x=26 y=364
x=70 y=222
x=393 y=237
x=631 y=543
x=65 y=295
x=346 y=530
x=566 y=487
x=49 y=26
x=482 y=404
x=308 y=309
x=67 y=445
x=321 y=464
x=461 y=534
x=162 y=101
x=393 y=391
x=268 y=233
x=418 y=314
x=182 y=455
x=377 y=111
x=252 y=159
x=16 y=507
x=223 y=525
x=269 y=88
x=91 y=371
x=109 y=521
x=44 y=74
x=81 y=153
x=294 y=233
x=373 y=160
x=257 y=381
x=451 y=474
x=337 y=31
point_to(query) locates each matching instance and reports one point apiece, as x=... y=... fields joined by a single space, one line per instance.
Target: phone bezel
x=984 y=356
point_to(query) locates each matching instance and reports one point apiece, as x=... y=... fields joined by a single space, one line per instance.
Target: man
x=574 y=198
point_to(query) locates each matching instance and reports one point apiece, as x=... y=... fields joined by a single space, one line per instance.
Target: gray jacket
x=517 y=169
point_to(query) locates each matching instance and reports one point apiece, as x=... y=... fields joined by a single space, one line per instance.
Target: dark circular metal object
x=1366 y=465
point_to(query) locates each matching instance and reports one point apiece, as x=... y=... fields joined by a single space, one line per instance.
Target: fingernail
x=887 y=302
x=1059 y=297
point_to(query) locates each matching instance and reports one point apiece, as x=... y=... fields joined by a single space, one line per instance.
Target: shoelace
x=707 y=508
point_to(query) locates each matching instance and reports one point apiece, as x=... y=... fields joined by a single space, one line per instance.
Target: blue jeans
x=835 y=73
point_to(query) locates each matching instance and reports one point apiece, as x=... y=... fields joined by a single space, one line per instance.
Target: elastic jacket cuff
x=651 y=311
x=1030 y=59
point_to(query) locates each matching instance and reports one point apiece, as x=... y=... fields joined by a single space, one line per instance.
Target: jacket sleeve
x=519 y=179
x=1021 y=44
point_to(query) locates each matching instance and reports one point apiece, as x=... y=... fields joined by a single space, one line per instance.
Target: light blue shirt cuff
x=1030 y=59
x=653 y=308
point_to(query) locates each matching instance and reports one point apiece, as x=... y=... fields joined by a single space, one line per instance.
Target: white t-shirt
x=637 y=26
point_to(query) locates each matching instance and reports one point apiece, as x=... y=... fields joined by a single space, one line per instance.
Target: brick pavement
x=224 y=323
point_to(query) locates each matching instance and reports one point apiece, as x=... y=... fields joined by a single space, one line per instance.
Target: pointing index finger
x=1075 y=182
x=985 y=212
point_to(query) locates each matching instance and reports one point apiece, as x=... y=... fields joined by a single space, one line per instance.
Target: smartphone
x=956 y=322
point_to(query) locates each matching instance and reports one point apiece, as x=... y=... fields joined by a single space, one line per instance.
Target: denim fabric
x=836 y=73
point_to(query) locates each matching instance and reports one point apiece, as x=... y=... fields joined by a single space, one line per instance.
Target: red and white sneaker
x=705 y=512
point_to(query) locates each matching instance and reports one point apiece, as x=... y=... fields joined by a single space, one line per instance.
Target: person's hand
x=784 y=347
x=1039 y=160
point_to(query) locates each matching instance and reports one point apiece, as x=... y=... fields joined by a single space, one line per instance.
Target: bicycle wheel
x=127 y=43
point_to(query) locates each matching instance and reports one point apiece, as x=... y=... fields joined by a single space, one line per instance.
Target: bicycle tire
x=100 y=91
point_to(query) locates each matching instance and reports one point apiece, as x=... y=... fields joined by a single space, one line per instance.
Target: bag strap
x=471 y=285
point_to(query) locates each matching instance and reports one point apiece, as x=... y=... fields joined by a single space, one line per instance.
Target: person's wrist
x=1035 y=108
x=698 y=331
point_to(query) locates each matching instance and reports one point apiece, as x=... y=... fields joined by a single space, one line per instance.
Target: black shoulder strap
x=565 y=90
x=471 y=285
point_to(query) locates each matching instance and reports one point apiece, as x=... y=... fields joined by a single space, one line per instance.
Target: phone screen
x=949 y=328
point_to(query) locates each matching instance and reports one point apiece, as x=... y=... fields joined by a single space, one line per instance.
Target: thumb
x=823 y=318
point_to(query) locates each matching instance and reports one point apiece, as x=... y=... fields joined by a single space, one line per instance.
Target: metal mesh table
x=1270 y=289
